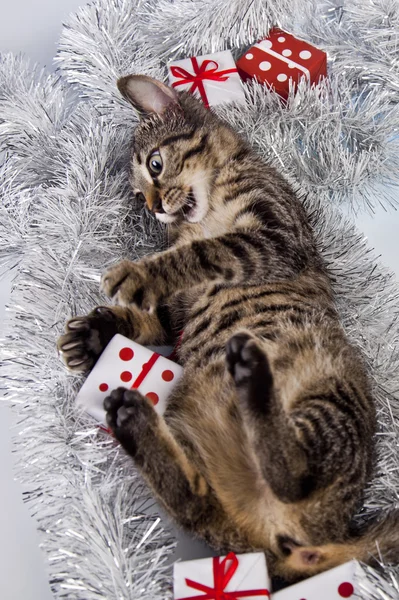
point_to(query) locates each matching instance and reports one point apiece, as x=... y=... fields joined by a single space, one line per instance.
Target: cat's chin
x=192 y=216
x=165 y=218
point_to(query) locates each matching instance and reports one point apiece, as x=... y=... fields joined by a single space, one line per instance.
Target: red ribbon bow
x=221 y=577
x=207 y=70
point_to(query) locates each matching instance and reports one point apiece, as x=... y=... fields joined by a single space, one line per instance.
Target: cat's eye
x=155 y=163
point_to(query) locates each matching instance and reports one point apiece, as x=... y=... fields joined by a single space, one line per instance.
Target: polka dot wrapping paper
x=128 y=364
x=335 y=584
x=280 y=59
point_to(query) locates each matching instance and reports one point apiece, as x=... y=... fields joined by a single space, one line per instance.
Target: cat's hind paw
x=248 y=365
x=243 y=356
x=128 y=415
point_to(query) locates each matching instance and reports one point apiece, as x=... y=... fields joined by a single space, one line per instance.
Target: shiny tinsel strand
x=67 y=211
x=187 y=27
x=361 y=39
x=34 y=106
x=101 y=43
x=334 y=143
x=373 y=585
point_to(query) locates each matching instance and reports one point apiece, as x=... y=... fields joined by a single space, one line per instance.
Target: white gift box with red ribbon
x=128 y=364
x=231 y=577
x=213 y=78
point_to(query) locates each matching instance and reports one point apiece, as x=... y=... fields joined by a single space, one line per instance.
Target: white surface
x=33 y=27
x=382 y=231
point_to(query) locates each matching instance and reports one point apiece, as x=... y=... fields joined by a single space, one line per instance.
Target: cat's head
x=173 y=155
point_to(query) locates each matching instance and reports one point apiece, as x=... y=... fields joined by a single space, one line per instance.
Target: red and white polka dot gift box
x=335 y=584
x=213 y=78
x=125 y=363
x=281 y=58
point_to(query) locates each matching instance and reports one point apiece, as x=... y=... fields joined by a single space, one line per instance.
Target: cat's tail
x=377 y=541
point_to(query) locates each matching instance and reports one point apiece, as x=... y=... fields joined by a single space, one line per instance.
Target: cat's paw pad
x=85 y=338
x=127 y=411
x=243 y=356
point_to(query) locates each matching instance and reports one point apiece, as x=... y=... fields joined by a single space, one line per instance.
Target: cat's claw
x=85 y=338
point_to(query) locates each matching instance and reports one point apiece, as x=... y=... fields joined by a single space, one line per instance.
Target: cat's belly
x=209 y=426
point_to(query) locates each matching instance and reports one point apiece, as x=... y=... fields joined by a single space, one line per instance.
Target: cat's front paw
x=86 y=337
x=130 y=283
x=129 y=414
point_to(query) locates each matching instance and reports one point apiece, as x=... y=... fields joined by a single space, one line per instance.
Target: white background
x=33 y=27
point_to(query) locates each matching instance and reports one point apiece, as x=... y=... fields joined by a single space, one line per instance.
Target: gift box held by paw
x=280 y=59
x=231 y=577
x=334 y=584
x=213 y=78
x=128 y=364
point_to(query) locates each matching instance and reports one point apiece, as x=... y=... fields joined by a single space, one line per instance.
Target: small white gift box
x=213 y=78
x=230 y=577
x=127 y=364
x=334 y=584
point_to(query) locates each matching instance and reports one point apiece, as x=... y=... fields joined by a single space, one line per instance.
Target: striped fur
x=268 y=440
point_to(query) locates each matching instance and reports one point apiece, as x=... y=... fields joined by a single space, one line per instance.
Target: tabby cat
x=268 y=441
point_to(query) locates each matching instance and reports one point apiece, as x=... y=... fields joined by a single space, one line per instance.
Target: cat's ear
x=147 y=95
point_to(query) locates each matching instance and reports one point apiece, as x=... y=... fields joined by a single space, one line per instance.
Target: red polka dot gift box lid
x=125 y=363
x=335 y=584
x=281 y=58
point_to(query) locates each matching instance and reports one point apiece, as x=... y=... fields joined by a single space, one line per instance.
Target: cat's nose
x=157 y=205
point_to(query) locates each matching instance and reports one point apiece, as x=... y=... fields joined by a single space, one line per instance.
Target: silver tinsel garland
x=67 y=212
x=59 y=227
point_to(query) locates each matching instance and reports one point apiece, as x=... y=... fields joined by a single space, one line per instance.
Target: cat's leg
x=282 y=459
x=233 y=257
x=145 y=435
x=86 y=337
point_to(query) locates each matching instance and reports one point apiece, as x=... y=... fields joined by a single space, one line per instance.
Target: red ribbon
x=207 y=70
x=144 y=371
x=173 y=354
x=221 y=577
